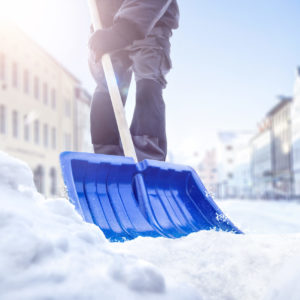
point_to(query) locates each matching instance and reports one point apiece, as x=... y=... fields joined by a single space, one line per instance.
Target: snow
x=48 y=252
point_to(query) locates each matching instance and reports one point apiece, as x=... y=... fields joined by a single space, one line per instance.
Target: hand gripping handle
x=113 y=89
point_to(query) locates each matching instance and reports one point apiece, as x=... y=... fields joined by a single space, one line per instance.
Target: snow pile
x=220 y=265
x=264 y=217
x=48 y=252
x=286 y=282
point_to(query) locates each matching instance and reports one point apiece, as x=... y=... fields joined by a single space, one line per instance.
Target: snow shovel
x=127 y=199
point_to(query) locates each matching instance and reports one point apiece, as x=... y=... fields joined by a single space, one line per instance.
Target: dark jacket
x=142 y=15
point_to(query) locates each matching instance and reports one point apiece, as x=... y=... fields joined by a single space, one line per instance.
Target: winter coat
x=146 y=15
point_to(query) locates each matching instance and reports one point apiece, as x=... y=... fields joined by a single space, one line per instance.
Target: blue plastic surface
x=151 y=198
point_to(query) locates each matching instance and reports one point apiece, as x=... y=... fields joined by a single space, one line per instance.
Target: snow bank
x=264 y=217
x=219 y=265
x=48 y=252
x=286 y=282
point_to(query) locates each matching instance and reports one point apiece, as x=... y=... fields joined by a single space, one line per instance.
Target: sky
x=231 y=61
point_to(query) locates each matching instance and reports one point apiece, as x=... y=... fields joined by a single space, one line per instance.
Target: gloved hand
x=117 y=37
x=105 y=41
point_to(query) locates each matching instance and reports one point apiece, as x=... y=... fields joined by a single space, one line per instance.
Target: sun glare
x=26 y=14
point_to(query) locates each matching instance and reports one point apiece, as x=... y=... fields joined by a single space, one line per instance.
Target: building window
x=26 y=82
x=45 y=135
x=53 y=138
x=26 y=128
x=2 y=66
x=36 y=131
x=230 y=175
x=15 y=124
x=36 y=88
x=53 y=99
x=2 y=119
x=38 y=175
x=68 y=109
x=45 y=93
x=15 y=75
x=53 y=184
x=67 y=141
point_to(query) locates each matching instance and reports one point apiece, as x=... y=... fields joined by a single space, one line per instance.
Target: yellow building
x=43 y=109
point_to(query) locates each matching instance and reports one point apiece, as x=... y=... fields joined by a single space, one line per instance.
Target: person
x=136 y=34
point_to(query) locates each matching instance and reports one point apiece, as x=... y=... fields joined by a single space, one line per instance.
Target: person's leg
x=151 y=62
x=148 y=123
x=104 y=130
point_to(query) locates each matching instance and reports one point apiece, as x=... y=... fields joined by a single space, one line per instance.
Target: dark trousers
x=149 y=60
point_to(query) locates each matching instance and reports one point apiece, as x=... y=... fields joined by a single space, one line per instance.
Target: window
x=36 y=88
x=26 y=82
x=15 y=124
x=45 y=135
x=15 y=75
x=38 y=176
x=68 y=108
x=53 y=138
x=2 y=119
x=53 y=181
x=53 y=99
x=45 y=93
x=26 y=128
x=67 y=141
x=2 y=66
x=36 y=131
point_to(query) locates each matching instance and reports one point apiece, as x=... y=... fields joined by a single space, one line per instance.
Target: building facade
x=242 y=170
x=233 y=164
x=82 y=136
x=40 y=108
x=282 y=170
x=295 y=116
x=261 y=161
x=207 y=171
x=269 y=166
x=225 y=162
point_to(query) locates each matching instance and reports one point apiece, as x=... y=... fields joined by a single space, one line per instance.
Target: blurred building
x=233 y=163
x=242 y=179
x=43 y=109
x=207 y=171
x=263 y=165
x=295 y=116
x=225 y=162
x=282 y=170
x=261 y=161
x=82 y=136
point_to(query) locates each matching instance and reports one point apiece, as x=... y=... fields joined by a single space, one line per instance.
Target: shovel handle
x=113 y=89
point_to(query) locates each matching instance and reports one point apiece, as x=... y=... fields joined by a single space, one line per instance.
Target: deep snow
x=48 y=252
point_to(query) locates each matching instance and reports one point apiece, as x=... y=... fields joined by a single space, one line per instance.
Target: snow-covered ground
x=48 y=252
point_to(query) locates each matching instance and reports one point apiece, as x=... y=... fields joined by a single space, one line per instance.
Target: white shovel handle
x=113 y=89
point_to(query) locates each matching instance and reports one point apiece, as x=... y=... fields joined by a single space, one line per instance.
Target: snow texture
x=48 y=252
